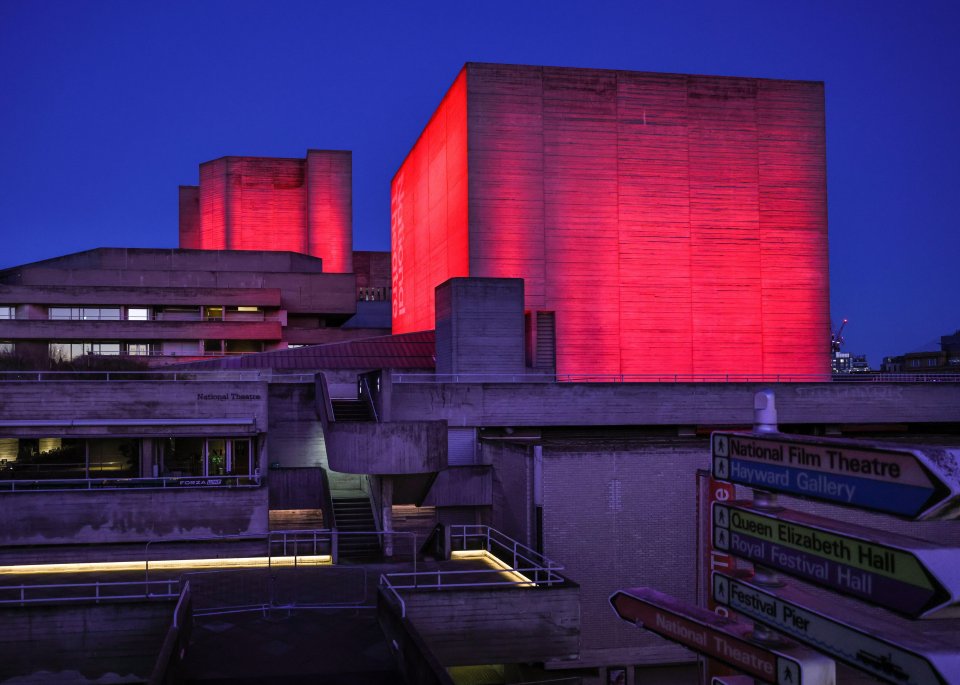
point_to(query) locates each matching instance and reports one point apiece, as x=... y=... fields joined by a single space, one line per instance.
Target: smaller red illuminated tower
x=267 y=203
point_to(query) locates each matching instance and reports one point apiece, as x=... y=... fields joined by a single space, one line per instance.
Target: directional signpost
x=916 y=483
x=785 y=663
x=899 y=656
x=907 y=575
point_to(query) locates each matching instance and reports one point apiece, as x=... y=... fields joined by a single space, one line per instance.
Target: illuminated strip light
x=169 y=564
x=495 y=563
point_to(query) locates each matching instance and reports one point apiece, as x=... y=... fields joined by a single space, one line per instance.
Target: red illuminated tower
x=674 y=224
x=267 y=203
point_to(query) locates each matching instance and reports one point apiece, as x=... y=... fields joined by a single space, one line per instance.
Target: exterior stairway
x=351 y=410
x=354 y=515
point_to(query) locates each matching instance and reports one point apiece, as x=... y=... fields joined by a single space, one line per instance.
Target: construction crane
x=836 y=339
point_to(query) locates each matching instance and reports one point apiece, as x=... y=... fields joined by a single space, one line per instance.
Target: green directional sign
x=907 y=575
x=900 y=655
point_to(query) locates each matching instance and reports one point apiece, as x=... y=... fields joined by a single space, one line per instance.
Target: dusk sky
x=106 y=107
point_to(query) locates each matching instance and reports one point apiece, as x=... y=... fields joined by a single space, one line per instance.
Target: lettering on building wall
x=398 y=238
x=226 y=396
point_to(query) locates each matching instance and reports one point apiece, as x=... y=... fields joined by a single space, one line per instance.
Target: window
x=213 y=347
x=8 y=312
x=113 y=458
x=207 y=457
x=914 y=362
x=85 y=313
x=931 y=361
x=141 y=349
x=6 y=347
x=178 y=313
x=138 y=314
x=214 y=313
x=65 y=351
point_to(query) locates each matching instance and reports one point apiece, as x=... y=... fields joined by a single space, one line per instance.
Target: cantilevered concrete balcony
x=358 y=443
x=495 y=601
x=401 y=447
x=56 y=330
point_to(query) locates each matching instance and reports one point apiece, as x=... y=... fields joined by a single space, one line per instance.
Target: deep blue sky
x=106 y=107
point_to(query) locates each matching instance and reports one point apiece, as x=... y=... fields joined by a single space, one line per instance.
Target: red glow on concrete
x=429 y=213
x=675 y=224
x=262 y=203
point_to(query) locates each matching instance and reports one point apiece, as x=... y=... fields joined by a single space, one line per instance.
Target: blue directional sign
x=913 y=483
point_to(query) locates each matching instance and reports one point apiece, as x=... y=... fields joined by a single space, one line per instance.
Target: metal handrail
x=491 y=536
x=161 y=482
x=160 y=376
x=172 y=589
x=434 y=378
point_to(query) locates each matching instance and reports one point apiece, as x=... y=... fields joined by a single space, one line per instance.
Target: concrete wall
x=397 y=447
x=140 y=330
x=480 y=326
x=116 y=295
x=295 y=434
x=624 y=404
x=115 y=516
x=512 y=490
x=105 y=643
x=63 y=402
x=269 y=203
x=458 y=486
x=301 y=279
x=674 y=223
x=500 y=625
x=623 y=516
x=189 y=212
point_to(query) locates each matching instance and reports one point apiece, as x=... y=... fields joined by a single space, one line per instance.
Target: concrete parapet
x=387 y=448
x=498 y=625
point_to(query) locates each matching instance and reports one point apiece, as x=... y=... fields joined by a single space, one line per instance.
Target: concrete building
x=613 y=226
x=268 y=203
x=599 y=477
x=163 y=306
x=662 y=223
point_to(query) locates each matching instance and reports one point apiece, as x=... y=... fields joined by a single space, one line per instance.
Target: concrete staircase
x=345 y=410
x=354 y=515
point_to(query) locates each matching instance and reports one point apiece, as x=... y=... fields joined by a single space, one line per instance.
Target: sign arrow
x=911 y=482
x=720 y=638
x=897 y=654
x=907 y=575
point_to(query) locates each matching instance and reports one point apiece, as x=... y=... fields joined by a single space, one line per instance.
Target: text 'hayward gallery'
x=664 y=224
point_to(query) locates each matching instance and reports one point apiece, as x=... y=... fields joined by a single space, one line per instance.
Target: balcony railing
x=158 y=376
x=175 y=483
x=436 y=378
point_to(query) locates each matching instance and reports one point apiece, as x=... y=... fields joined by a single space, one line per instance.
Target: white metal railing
x=179 y=483
x=22 y=595
x=515 y=554
x=521 y=566
x=434 y=378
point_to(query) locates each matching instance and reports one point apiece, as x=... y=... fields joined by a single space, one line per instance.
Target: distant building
x=944 y=360
x=845 y=362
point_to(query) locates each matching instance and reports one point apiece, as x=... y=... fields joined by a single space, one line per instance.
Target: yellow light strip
x=168 y=564
x=493 y=562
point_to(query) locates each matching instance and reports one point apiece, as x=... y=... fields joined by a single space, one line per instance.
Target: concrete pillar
x=480 y=326
x=386 y=513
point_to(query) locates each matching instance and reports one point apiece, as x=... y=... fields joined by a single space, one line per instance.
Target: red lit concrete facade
x=673 y=224
x=267 y=203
